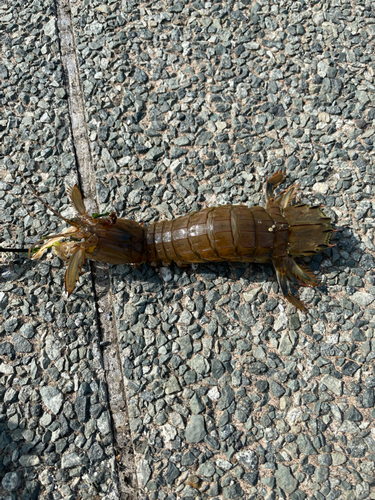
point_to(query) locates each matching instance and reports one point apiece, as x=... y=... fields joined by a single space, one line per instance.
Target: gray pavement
x=200 y=382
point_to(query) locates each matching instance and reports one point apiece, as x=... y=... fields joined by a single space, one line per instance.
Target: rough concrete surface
x=198 y=382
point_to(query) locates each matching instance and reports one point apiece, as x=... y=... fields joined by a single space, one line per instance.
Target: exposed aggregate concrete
x=231 y=392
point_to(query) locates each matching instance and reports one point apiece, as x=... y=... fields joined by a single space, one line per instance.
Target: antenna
x=71 y=223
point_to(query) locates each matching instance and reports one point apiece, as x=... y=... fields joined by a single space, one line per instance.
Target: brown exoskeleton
x=277 y=233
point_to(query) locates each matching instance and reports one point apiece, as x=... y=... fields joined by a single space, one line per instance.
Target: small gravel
x=231 y=392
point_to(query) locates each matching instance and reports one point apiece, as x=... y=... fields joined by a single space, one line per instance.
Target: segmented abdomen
x=226 y=233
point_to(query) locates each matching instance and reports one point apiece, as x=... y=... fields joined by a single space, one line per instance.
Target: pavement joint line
x=109 y=353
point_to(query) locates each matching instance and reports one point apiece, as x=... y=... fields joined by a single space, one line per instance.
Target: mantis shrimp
x=276 y=234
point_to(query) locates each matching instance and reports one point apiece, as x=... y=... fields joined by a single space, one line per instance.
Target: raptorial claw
x=76 y=199
x=53 y=241
x=74 y=268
